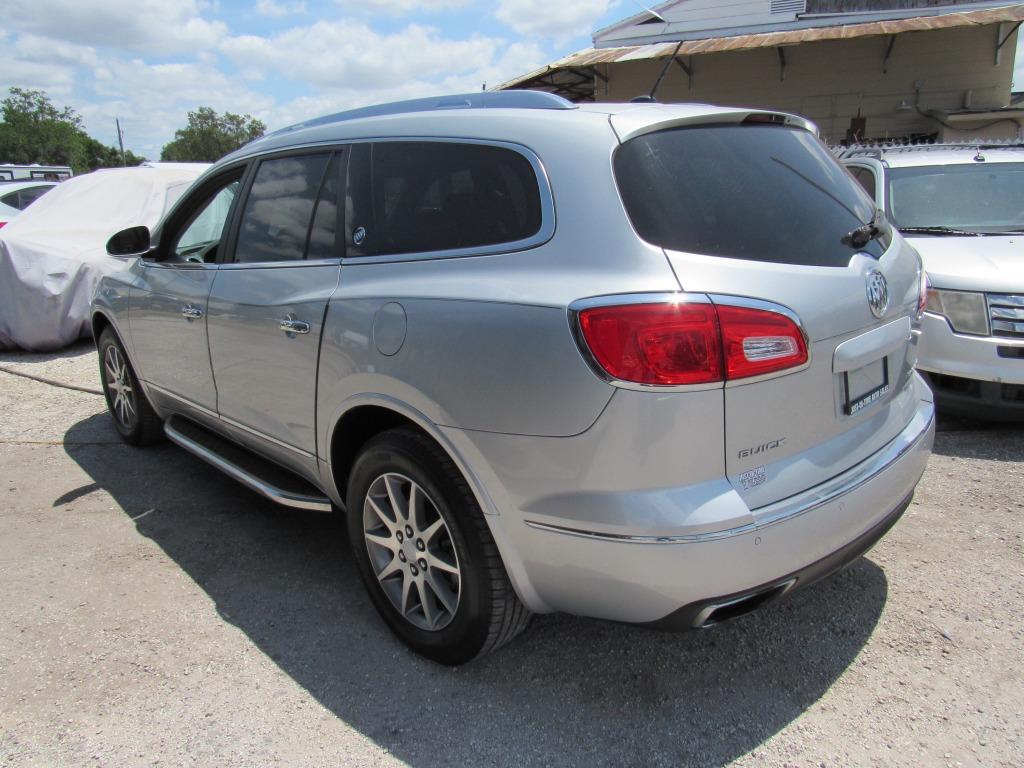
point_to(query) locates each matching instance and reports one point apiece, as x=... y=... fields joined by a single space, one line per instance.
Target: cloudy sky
x=151 y=61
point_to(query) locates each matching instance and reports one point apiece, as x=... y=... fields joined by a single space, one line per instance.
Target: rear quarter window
x=430 y=196
x=756 y=192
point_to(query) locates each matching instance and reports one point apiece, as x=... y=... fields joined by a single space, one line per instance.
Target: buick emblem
x=878 y=293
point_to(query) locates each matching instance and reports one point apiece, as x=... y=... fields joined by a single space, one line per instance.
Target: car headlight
x=966 y=312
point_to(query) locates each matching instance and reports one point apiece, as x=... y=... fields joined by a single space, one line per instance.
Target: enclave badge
x=878 y=293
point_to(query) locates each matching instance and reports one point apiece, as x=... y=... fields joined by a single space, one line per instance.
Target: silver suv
x=962 y=208
x=647 y=363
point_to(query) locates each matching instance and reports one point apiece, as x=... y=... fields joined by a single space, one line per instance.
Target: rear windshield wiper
x=938 y=231
x=865 y=233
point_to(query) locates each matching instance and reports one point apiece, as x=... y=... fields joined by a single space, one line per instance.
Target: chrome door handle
x=191 y=312
x=291 y=325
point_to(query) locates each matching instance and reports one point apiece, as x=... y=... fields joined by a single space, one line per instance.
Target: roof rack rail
x=879 y=149
x=512 y=99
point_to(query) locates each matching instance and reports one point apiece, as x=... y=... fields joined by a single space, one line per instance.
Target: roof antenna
x=649 y=97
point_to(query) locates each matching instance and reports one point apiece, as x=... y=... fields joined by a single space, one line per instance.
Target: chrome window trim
x=547 y=206
x=290 y=264
x=681 y=297
x=780 y=511
x=151 y=264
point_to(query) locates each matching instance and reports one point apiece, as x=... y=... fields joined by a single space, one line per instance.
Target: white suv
x=962 y=208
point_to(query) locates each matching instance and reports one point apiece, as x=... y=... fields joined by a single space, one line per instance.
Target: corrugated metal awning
x=574 y=75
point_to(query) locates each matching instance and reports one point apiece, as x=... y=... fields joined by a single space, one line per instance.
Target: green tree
x=35 y=131
x=209 y=136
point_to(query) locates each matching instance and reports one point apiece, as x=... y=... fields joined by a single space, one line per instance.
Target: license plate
x=866 y=385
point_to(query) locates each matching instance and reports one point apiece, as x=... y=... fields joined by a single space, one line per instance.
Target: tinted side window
x=11 y=199
x=325 y=217
x=279 y=208
x=437 y=196
x=756 y=192
x=865 y=177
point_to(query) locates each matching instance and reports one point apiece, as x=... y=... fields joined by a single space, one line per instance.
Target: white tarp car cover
x=54 y=254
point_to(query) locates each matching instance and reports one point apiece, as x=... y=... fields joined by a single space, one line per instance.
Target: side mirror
x=133 y=241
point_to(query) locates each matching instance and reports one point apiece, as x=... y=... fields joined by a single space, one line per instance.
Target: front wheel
x=134 y=418
x=425 y=552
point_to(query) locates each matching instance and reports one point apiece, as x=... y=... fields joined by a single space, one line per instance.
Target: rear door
x=763 y=212
x=268 y=301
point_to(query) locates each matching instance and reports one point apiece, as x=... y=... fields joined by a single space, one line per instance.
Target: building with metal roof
x=861 y=69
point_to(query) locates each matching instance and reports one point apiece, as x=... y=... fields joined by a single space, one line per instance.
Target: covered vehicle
x=54 y=254
x=16 y=196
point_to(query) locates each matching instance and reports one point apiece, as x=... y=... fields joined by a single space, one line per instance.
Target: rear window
x=755 y=192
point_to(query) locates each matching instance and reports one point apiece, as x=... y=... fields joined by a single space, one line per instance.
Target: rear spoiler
x=649 y=118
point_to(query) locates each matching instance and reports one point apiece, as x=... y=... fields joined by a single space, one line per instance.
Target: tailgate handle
x=860 y=350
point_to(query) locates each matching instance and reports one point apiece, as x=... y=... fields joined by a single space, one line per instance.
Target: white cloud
x=349 y=55
x=153 y=26
x=152 y=100
x=558 y=21
x=401 y=7
x=277 y=10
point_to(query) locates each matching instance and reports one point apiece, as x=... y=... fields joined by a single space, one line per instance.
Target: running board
x=213 y=449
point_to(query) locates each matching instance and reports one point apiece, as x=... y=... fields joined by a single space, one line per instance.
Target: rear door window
x=279 y=209
x=756 y=192
x=416 y=197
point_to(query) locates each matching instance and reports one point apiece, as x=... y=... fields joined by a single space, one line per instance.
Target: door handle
x=190 y=312
x=291 y=325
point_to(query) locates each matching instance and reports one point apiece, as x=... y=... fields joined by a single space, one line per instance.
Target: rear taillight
x=661 y=344
x=679 y=343
x=2 y=224
x=758 y=341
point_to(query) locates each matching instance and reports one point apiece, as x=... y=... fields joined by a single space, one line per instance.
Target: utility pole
x=120 y=140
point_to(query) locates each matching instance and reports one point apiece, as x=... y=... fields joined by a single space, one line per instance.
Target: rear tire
x=462 y=604
x=134 y=418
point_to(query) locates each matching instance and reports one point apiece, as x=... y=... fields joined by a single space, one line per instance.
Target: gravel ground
x=154 y=612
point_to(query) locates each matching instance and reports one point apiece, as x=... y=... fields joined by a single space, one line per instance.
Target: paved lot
x=154 y=612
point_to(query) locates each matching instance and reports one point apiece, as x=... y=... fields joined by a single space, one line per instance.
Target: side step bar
x=247 y=477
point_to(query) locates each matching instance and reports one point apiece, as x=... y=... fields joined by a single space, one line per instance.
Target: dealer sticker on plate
x=753 y=478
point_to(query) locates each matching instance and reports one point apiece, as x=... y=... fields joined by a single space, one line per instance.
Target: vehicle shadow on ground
x=568 y=692
x=970 y=439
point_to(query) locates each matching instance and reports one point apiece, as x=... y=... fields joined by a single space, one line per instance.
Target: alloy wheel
x=411 y=551
x=119 y=386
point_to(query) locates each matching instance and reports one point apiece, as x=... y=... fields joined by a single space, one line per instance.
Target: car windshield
x=987 y=198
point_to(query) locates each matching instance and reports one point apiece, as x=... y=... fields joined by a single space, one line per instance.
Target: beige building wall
x=830 y=81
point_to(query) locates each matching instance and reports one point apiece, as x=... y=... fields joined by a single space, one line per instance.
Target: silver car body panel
x=573 y=473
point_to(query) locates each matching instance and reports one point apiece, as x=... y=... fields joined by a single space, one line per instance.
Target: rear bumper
x=634 y=576
x=705 y=613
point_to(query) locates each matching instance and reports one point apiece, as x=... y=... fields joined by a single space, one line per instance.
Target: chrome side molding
x=248 y=479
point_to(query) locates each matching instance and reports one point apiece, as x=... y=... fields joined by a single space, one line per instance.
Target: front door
x=168 y=302
x=268 y=302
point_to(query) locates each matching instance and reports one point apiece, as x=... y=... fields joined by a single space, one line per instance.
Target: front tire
x=425 y=552
x=134 y=418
